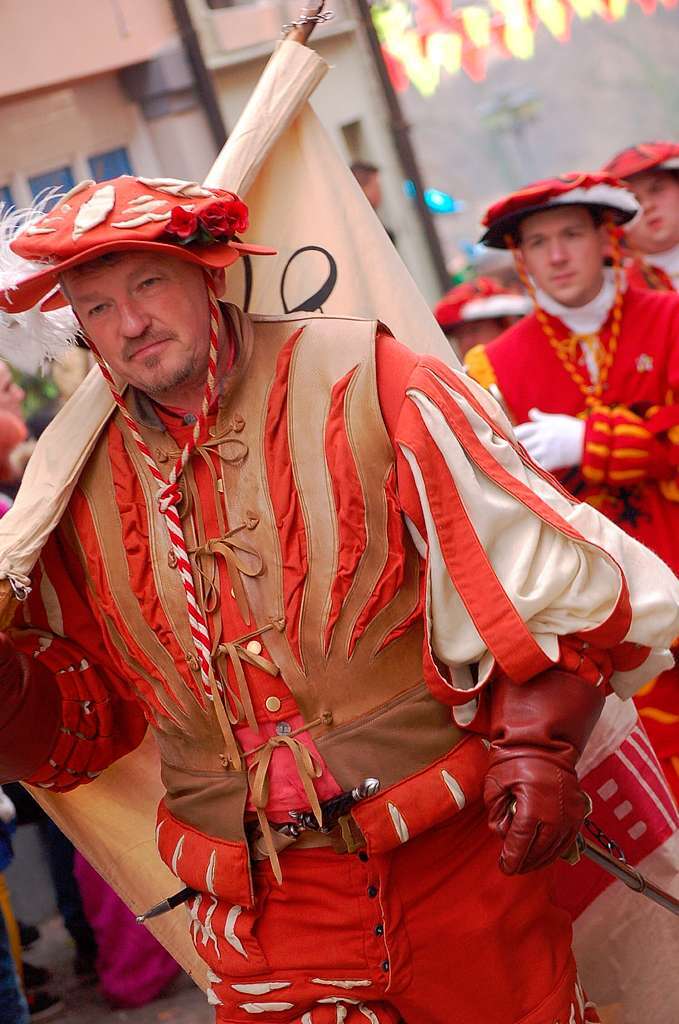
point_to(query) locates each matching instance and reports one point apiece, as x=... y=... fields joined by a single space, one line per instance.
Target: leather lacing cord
x=232 y=550
x=234 y=706
x=308 y=769
x=237 y=654
x=242 y=702
x=231 y=706
x=306 y=764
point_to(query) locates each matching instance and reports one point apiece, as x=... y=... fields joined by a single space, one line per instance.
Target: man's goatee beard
x=183 y=375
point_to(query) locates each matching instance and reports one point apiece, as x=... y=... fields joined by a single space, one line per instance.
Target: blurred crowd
x=109 y=948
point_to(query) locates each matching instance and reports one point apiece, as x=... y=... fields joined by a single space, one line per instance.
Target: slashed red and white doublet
x=515 y=577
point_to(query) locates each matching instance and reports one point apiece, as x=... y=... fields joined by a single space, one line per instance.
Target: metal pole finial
x=299 y=31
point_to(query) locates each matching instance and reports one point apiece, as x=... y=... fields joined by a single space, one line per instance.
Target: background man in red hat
x=651 y=171
x=475 y=312
x=590 y=378
x=306 y=559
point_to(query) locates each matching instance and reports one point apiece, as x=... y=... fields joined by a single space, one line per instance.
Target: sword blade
x=632 y=878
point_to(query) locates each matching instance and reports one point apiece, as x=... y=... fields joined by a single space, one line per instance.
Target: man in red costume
x=475 y=312
x=651 y=170
x=591 y=378
x=303 y=558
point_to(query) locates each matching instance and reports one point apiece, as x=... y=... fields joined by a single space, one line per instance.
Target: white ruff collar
x=667 y=261
x=587 y=319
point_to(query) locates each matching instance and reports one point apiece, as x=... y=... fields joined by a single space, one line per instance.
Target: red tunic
x=642 y=274
x=645 y=373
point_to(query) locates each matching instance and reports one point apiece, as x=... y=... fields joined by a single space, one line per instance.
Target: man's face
x=657 y=227
x=372 y=189
x=147 y=316
x=563 y=251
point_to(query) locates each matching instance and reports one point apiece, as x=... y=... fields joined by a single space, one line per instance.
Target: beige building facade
x=91 y=90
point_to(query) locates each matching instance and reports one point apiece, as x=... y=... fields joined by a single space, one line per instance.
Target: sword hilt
x=336 y=807
x=183 y=896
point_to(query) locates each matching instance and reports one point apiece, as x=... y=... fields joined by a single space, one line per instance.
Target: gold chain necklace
x=565 y=349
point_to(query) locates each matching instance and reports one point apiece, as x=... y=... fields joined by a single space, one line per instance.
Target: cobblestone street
x=182 y=1004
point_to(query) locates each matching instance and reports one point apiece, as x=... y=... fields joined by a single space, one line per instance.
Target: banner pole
x=202 y=76
x=300 y=30
x=400 y=130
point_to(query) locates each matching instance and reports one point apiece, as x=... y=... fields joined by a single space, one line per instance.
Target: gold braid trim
x=670 y=488
x=653 y=279
x=479 y=366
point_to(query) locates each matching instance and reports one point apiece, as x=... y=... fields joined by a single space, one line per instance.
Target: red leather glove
x=30 y=713
x=537 y=732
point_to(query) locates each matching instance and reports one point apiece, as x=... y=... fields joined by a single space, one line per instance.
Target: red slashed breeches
x=431 y=933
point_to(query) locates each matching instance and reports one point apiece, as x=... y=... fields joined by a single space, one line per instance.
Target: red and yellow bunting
x=423 y=39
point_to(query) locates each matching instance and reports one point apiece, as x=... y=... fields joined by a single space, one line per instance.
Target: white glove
x=7 y=809
x=552 y=440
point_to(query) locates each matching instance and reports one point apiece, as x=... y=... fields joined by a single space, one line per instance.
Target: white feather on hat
x=29 y=340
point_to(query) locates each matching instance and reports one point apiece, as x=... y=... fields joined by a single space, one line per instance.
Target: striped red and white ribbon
x=168 y=493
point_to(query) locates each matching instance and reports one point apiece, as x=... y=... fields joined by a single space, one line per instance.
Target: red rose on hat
x=183 y=223
x=237 y=213
x=224 y=219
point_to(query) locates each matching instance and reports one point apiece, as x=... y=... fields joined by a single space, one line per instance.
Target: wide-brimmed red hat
x=647 y=156
x=179 y=218
x=599 y=191
x=482 y=299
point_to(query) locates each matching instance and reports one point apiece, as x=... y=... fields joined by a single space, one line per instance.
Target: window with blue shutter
x=61 y=178
x=110 y=164
x=6 y=198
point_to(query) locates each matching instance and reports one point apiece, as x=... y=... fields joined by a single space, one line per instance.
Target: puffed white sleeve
x=514 y=564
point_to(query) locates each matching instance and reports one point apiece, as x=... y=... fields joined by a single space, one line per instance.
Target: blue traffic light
x=436 y=200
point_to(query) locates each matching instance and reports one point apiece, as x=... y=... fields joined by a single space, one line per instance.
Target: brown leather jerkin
x=373 y=714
